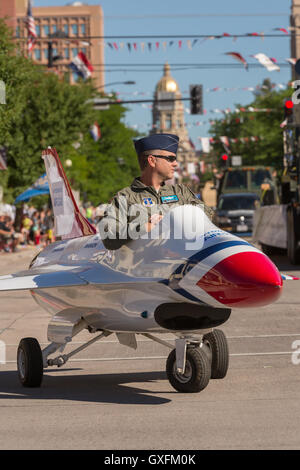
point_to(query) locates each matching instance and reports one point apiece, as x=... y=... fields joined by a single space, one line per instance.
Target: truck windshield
x=237 y=203
x=236 y=179
x=258 y=177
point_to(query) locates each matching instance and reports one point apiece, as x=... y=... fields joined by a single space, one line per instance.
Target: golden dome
x=167 y=83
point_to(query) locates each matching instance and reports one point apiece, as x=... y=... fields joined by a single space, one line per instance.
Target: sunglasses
x=169 y=158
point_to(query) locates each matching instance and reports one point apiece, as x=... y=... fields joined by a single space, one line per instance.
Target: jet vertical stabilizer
x=69 y=222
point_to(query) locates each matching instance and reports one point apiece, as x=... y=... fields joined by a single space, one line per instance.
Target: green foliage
x=41 y=111
x=100 y=169
x=268 y=149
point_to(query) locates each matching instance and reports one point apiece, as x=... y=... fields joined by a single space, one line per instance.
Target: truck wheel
x=293 y=251
x=217 y=343
x=30 y=362
x=197 y=371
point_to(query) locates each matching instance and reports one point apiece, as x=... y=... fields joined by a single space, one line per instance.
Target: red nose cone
x=246 y=279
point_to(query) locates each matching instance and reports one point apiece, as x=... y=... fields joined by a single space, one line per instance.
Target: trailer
x=278 y=225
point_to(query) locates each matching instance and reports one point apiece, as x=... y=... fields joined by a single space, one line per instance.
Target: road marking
x=287 y=335
x=138 y=358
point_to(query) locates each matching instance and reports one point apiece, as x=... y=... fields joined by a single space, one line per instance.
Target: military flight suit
x=149 y=202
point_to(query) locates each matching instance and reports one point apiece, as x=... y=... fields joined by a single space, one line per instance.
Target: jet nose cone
x=248 y=279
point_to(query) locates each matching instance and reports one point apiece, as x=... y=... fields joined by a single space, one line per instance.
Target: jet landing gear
x=189 y=367
x=196 y=373
x=30 y=363
x=193 y=362
x=31 y=360
x=218 y=351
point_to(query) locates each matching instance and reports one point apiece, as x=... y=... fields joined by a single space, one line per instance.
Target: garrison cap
x=167 y=142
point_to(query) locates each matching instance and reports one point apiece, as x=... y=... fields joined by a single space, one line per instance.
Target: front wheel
x=30 y=363
x=196 y=374
x=217 y=343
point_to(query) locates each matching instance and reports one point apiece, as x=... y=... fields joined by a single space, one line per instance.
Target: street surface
x=113 y=397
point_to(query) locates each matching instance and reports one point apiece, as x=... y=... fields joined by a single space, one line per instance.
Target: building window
x=38 y=30
x=75 y=77
x=66 y=29
x=83 y=49
x=54 y=28
x=82 y=29
x=18 y=31
x=46 y=53
x=37 y=54
x=74 y=52
x=67 y=53
x=168 y=121
x=74 y=29
x=46 y=30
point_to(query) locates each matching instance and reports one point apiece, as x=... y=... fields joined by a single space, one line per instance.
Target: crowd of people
x=36 y=226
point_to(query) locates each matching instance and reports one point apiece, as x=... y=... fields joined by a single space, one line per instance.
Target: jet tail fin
x=68 y=221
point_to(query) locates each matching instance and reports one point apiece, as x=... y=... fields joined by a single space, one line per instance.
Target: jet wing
x=40 y=279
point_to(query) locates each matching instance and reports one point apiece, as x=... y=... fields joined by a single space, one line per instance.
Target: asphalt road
x=112 y=397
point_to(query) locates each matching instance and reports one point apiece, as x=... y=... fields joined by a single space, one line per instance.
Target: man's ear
x=151 y=161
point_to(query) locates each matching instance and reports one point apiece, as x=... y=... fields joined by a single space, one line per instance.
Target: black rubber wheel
x=30 y=363
x=197 y=371
x=217 y=343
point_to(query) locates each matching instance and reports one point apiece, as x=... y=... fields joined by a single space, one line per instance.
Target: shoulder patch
x=148 y=201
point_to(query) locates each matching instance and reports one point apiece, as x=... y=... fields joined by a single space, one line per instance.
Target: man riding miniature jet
x=148 y=286
x=157 y=160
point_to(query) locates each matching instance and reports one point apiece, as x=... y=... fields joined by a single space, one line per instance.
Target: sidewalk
x=16 y=261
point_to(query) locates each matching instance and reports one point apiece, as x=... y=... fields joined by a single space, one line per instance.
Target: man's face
x=164 y=167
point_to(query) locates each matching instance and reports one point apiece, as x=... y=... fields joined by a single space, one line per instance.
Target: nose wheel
x=218 y=351
x=196 y=374
x=30 y=363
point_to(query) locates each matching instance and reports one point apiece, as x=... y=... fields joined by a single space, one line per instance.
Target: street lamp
x=128 y=82
x=56 y=35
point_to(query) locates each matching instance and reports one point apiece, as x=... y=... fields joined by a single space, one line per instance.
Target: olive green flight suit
x=149 y=201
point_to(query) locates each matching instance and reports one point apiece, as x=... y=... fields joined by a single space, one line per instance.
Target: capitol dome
x=167 y=83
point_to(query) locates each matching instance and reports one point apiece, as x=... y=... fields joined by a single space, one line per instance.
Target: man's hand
x=154 y=220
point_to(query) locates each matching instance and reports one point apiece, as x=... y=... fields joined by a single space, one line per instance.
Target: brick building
x=82 y=26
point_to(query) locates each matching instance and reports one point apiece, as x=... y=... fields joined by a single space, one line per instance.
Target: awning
x=40 y=187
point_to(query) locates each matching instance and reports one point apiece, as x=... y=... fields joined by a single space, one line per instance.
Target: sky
x=184 y=19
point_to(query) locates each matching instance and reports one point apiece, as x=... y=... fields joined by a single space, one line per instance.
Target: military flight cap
x=167 y=142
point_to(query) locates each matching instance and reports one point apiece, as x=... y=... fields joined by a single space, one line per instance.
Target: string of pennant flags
x=249 y=109
x=274 y=86
x=190 y=43
x=207 y=142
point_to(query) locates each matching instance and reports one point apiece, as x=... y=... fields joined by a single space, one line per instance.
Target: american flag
x=30 y=28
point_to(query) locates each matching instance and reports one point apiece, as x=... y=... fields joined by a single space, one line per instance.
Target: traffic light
x=196 y=99
x=288 y=110
x=224 y=159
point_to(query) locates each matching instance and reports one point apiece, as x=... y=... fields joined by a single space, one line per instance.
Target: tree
x=44 y=111
x=263 y=125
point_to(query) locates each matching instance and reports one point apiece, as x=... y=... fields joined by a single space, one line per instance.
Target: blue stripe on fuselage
x=173 y=281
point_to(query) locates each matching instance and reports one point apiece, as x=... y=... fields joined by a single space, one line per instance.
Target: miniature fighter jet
x=147 y=287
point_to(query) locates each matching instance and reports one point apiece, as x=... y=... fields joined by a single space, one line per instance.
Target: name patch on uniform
x=169 y=199
x=147 y=201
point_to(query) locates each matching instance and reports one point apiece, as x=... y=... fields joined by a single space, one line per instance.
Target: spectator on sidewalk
x=9 y=238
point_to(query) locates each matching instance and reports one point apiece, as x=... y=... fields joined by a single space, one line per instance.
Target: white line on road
x=137 y=358
x=287 y=335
